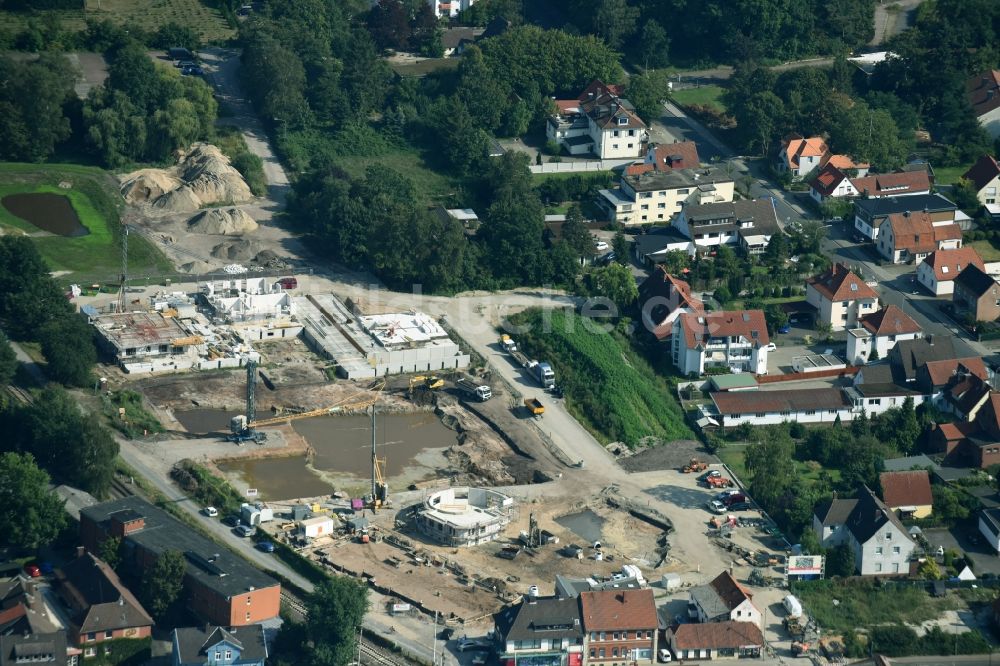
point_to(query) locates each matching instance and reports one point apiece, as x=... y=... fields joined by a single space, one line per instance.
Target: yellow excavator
x=433 y=382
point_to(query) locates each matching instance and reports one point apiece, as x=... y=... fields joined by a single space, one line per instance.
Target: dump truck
x=541 y=372
x=534 y=406
x=480 y=392
x=508 y=344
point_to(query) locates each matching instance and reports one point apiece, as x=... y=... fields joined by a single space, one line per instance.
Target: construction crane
x=123 y=278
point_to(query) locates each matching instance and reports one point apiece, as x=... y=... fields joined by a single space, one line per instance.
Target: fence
x=579 y=166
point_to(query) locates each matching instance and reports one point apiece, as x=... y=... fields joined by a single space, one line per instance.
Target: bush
x=137 y=420
x=207 y=488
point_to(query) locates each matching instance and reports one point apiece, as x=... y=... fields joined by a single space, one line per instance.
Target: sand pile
x=202 y=177
x=240 y=250
x=225 y=221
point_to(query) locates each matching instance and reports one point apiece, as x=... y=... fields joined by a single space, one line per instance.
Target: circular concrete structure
x=465 y=516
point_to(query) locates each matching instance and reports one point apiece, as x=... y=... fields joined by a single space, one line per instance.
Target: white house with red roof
x=840 y=297
x=598 y=122
x=877 y=333
x=833 y=183
x=736 y=340
x=983 y=91
x=938 y=271
x=911 y=236
x=984 y=176
x=663 y=298
x=800 y=157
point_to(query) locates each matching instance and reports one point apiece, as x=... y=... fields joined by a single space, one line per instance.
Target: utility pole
x=375 y=465
x=434 y=638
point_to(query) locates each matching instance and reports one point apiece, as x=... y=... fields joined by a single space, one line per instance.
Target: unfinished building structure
x=256 y=308
x=465 y=516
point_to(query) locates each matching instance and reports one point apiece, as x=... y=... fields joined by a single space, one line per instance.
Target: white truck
x=480 y=392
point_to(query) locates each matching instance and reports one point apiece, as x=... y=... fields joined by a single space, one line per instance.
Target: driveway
x=965 y=540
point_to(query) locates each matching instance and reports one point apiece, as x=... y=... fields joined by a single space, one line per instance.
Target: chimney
x=80 y=551
x=989 y=94
x=620 y=597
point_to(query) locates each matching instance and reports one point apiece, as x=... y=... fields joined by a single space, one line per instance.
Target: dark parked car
x=193 y=71
x=265 y=546
x=231 y=521
x=787 y=328
x=178 y=53
x=739 y=506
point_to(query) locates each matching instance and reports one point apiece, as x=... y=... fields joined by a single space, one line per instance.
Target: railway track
x=20 y=394
x=370 y=653
x=120 y=489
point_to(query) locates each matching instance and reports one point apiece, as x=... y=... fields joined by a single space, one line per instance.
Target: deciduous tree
x=30 y=514
x=161 y=584
x=336 y=608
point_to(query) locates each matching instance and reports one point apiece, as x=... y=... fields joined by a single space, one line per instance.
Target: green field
x=986 y=249
x=95 y=257
x=733 y=456
x=609 y=387
x=434 y=186
x=147 y=14
x=948 y=175
x=710 y=95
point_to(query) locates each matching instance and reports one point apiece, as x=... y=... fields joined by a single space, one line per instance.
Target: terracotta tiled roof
x=916 y=232
x=665 y=288
x=698 y=327
x=597 y=88
x=890 y=320
x=730 y=591
x=786 y=400
x=983 y=171
x=841 y=284
x=639 y=168
x=608 y=610
x=845 y=162
x=811 y=147
x=978 y=89
x=889 y=184
x=988 y=417
x=666 y=155
x=947 y=264
x=940 y=372
x=717 y=635
x=827 y=180
x=567 y=106
x=906 y=489
x=956 y=431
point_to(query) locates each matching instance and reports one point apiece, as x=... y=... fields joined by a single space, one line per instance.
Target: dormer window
x=622 y=120
x=944 y=269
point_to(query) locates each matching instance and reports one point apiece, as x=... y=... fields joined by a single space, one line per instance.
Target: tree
x=769 y=463
x=336 y=608
x=171 y=34
x=965 y=195
x=29 y=297
x=110 y=551
x=776 y=317
x=389 y=25
x=929 y=570
x=654 y=46
x=33 y=96
x=161 y=584
x=619 y=244
x=614 y=282
x=575 y=233
x=869 y=135
x=68 y=347
x=949 y=505
x=840 y=561
x=31 y=515
x=614 y=21
x=8 y=360
x=647 y=91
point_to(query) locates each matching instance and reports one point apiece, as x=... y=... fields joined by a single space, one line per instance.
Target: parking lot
x=968 y=541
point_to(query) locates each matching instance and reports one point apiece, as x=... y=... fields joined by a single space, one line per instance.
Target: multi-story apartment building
x=736 y=340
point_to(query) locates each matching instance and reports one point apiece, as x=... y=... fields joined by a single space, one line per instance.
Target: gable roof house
x=878 y=332
x=983 y=92
x=622 y=624
x=723 y=600
x=938 y=271
x=651 y=248
x=817 y=405
x=716 y=640
x=871 y=213
x=48 y=649
x=909 y=493
x=985 y=178
x=748 y=224
x=701 y=340
x=650 y=196
x=540 y=629
x=663 y=298
x=976 y=295
x=800 y=156
x=881 y=544
x=908 y=357
x=215 y=646
x=910 y=237
x=975 y=442
x=103 y=608
x=840 y=297
x=599 y=122
x=676 y=155
x=831 y=183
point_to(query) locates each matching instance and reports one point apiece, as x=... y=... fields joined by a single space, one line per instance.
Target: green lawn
x=539 y=178
x=710 y=95
x=948 y=175
x=93 y=193
x=986 y=249
x=432 y=185
x=424 y=67
x=733 y=455
x=148 y=14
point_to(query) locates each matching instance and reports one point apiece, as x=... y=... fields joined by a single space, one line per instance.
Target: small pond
x=585 y=524
x=49 y=212
x=202 y=421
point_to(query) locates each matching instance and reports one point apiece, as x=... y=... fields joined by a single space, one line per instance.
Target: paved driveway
x=969 y=541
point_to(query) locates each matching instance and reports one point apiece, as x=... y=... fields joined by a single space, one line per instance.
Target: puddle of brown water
x=279 y=478
x=201 y=421
x=49 y=212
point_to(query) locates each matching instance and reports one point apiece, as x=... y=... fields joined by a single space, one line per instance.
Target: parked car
x=32 y=570
x=193 y=71
x=726 y=494
x=664 y=656
x=735 y=497
x=210 y=511
x=245 y=531
x=601 y=246
x=46 y=568
x=771 y=346
x=787 y=328
x=265 y=546
x=606 y=259
x=231 y=520
x=466 y=644
x=715 y=506
x=709 y=473
x=184 y=64
x=740 y=506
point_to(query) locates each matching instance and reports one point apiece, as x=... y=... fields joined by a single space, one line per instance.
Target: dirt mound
x=202 y=177
x=225 y=221
x=240 y=250
x=198 y=266
x=148 y=185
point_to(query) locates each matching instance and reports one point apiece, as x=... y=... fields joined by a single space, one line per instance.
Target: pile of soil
x=202 y=177
x=223 y=221
x=239 y=250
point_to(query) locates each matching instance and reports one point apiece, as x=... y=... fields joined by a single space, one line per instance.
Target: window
x=248 y=601
x=874 y=401
x=760 y=415
x=661 y=205
x=878 y=568
x=600 y=653
x=622 y=121
x=649 y=634
x=631 y=132
x=895 y=550
x=593 y=635
x=614 y=133
x=593 y=652
x=108 y=634
x=685 y=190
x=888 y=536
x=878 y=550
x=831 y=411
x=631 y=145
x=810 y=412
x=615 y=146
x=218 y=656
x=248 y=616
x=615 y=637
x=614 y=652
x=229 y=654
x=92 y=636
x=604 y=637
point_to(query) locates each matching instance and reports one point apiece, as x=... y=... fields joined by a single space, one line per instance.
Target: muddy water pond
x=343 y=449
x=203 y=421
x=49 y=212
x=585 y=524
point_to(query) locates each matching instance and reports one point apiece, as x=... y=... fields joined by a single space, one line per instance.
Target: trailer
x=541 y=371
x=534 y=406
x=480 y=392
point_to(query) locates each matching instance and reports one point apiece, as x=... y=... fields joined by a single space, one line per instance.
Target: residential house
x=871 y=213
x=217 y=646
x=663 y=298
x=934 y=377
x=540 y=631
x=621 y=626
x=48 y=649
x=736 y=340
x=840 y=297
x=881 y=544
x=717 y=640
x=103 y=609
x=878 y=332
x=599 y=122
x=723 y=600
x=23 y=609
x=909 y=357
x=447 y=9
x=455 y=40
x=910 y=237
x=938 y=271
x=651 y=248
x=989 y=527
x=465 y=216
x=800 y=156
x=984 y=176
x=677 y=155
x=651 y=196
x=976 y=295
x=223 y=589
x=820 y=405
x=909 y=493
x=832 y=183
x=748 y=224
x=973 y=443
x=983 y=92
x=964 y=395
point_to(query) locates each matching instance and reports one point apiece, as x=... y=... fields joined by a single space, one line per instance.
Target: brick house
x=976 y=295
x=938 y=271
x=621 y=626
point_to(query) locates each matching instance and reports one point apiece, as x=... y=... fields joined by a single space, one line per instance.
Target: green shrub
x=137 y=420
